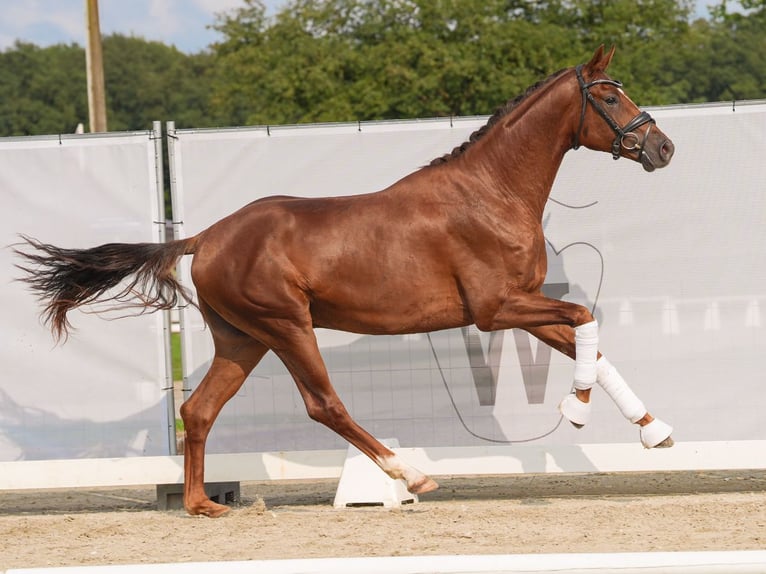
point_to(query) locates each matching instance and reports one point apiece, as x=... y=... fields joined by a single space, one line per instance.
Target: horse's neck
x=522 y=153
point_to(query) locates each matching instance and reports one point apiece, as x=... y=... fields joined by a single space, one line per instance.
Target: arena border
x=436 y=461
x=705 y=562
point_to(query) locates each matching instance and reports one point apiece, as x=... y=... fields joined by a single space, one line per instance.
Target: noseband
x=626 y=137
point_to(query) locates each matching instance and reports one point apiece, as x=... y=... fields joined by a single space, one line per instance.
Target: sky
x=182 y=23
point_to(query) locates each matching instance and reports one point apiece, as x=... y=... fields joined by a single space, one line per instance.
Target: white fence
x=101 y=394
x=672 y=262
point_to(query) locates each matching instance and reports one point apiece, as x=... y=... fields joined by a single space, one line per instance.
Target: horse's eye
x=610 y=100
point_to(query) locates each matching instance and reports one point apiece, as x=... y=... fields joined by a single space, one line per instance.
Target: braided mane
x=500 y=113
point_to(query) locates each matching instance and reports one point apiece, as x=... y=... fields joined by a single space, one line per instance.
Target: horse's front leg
x=520 y=309
x=576 y=406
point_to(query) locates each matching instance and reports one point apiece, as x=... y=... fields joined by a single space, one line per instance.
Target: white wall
x=100 y=394
x=673 y=262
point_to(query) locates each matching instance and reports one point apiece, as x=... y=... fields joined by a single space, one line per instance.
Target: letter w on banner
x=485 y=368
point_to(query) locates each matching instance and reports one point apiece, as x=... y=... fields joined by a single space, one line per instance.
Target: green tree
x=322 y=60
x=648 y=35
x=42 y=91
x=343 y=60
x=736 y=64
x=147 y=81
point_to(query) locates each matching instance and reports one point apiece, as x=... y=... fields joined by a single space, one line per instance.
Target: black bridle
x=626 y=137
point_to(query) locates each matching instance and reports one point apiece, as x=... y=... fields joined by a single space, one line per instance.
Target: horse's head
x=610 y=121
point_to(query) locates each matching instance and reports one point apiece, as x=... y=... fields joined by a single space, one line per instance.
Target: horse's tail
x=64 y=279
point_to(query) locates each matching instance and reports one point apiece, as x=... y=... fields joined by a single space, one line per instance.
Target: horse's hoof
x=667 y=443
x=209 y=508
x=656 y=434
x=575 y=411
x=424 y=486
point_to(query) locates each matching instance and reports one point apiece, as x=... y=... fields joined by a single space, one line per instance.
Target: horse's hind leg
x=303 y=360
x=236 y=354
x=654 y=432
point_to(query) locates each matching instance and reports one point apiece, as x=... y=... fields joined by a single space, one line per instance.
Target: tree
x=347 y=60
x=372 y=59
x=737 y=69
x=147 y=81
x=42 y=91
x=342 y=60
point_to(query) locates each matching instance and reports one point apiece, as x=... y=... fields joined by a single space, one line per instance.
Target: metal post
x=166 y=318
x=178 y=233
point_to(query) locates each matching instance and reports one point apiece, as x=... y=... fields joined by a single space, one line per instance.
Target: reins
x=626 y=131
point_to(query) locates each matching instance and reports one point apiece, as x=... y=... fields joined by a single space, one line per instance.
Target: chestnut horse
x=457 y=242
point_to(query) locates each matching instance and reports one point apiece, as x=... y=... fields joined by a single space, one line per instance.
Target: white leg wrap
x=615 y=386
x=575 y=411
x=654 y=433
x=586 y=351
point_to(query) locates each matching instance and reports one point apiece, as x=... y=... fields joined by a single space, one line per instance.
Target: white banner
x=100 y=394
x=672 y=262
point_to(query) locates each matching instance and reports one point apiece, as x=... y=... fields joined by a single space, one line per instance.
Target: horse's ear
x=600 y=61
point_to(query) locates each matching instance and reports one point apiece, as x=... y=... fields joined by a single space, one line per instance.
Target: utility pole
x=94 y=62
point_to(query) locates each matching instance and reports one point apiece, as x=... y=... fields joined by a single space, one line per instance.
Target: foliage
x=372 y=59
x=42 y=91
x=737 y=51
x=148 y=81
x=346 y=60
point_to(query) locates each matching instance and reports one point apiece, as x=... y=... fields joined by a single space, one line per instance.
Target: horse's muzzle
x=657 y=157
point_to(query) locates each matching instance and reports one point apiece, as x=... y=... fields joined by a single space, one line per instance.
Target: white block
x=363 y=483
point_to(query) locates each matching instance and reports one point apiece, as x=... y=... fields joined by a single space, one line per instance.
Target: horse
x=457 y=242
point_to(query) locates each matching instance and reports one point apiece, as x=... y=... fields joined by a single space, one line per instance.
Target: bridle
x=626 y=136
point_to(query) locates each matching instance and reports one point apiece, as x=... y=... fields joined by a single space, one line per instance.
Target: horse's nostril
x=666 y=150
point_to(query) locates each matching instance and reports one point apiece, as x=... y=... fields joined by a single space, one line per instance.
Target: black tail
x=64 y=279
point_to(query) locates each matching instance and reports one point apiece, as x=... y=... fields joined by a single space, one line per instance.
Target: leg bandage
x=656 y=433
x=586 y=351
x=615 y=386
x=575 y=411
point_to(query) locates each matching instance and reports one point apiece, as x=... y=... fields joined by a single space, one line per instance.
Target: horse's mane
x=500 y=112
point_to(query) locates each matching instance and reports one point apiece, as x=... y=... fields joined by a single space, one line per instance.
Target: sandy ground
x=488 y=515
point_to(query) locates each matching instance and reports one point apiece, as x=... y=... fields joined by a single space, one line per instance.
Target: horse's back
x=345 y=258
